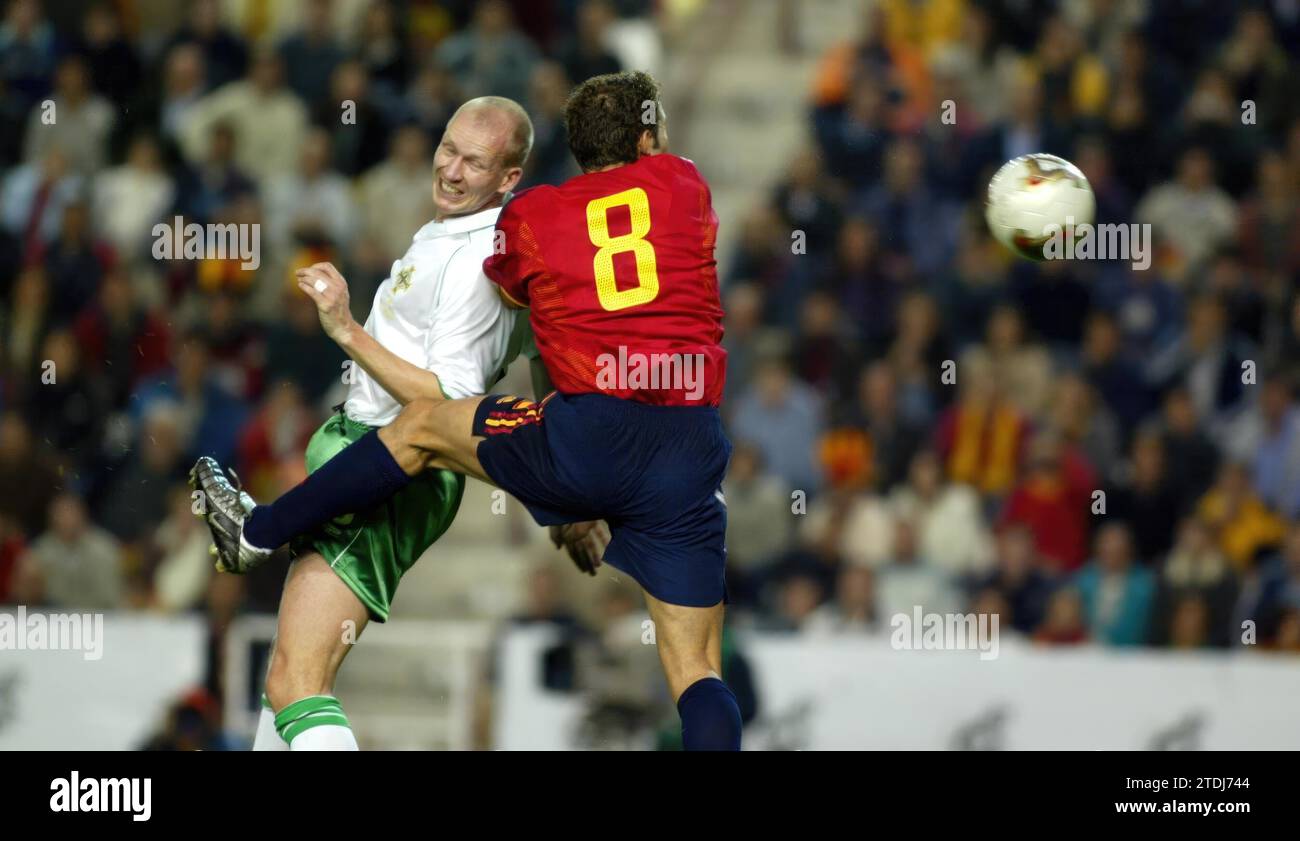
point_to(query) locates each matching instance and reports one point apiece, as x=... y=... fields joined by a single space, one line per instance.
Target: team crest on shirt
x=403 y=280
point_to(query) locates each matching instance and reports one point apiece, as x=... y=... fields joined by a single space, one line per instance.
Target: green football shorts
x=371 y=550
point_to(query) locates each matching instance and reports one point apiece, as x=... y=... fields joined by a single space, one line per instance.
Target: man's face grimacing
x=470 y=169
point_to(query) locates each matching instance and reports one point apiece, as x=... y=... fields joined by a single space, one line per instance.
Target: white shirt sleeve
x=468 y=326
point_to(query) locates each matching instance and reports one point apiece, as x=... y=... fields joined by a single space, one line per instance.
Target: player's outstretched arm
x=406 y=382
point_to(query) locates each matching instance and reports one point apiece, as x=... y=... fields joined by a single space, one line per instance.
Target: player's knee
x=411 y=437
x=426 y=431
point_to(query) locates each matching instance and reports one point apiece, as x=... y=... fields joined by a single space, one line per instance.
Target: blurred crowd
x=314 y=119
x=1093 y=452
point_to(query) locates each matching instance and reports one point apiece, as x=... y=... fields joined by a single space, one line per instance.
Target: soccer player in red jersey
x=616 y=268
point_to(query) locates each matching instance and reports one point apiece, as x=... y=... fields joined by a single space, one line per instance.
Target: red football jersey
x=617 y=271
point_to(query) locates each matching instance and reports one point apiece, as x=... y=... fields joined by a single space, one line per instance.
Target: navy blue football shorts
x=654 y=473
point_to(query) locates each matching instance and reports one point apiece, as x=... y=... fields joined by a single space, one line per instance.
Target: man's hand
x=324 y=285
x=585 y=543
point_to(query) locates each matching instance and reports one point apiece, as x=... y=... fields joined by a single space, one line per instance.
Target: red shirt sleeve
x=516 y=258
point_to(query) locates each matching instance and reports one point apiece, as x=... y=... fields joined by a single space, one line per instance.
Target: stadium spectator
x=950 y=526
x=225 y=55
x=208 y=188
x=1146 y=499
x=853 y=609
x=491 y=55
x=910 y=579
x=1269 y=223
x=1116 y=594
x=1276 y=591
x=1191 y=458
x=798 y=597
x=1052 y=499
x=75 y=262
x=1018 y=577
x=1063 y=623
x=783 y=417
x=75 y=120
x=69 y=405
x=550 y=162
x=129 y=199
x=29 y=476
x=1207 y=359
x=1195 y=568
x=1020 y=365
x=312 y=204
x=1114 y=373
x=114 y=67
x=311 y=53
x=75 y=564
x=1085 y=424
x=210 y=417
x=1189 y=624
x=758 y=515
x=584 y=54
x=140 y=488
x=30 y=319
x=892 y=436
x=357 y=123
x=34 y=197
x=180 y=560
x=29 y=48
x=1243 y=525
x=431 y=98
x=184 y=84
x=1266 y=437
x=393 y=200
x=380 y=49
x=981 y=435
x=297 y=351
x=851 y=527
x=1192 y=214
x=274 y=439
x=121 y=341
x=268 y=121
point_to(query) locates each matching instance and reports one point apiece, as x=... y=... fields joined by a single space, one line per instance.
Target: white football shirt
x=439 y=311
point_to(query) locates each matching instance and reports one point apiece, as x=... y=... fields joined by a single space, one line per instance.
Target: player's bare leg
x=689 y=640
x=320 y=619
x=432 y=434
x=427 y=434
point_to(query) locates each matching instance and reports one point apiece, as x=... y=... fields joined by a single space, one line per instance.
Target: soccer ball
x=1034 y=198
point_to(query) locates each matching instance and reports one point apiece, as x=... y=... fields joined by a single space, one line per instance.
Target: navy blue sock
x=360 y=476
x=710 y=716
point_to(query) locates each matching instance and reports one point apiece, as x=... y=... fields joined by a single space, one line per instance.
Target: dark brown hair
x=606 y=116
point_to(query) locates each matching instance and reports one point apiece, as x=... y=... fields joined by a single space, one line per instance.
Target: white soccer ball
x=1034 y=198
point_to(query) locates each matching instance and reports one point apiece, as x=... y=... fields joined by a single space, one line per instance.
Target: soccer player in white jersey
x=437 y=328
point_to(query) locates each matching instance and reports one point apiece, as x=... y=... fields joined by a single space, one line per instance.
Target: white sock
x=267 y=738
x=325 y=737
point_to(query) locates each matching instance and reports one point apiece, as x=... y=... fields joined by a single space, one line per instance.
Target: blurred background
x=1113 y=471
